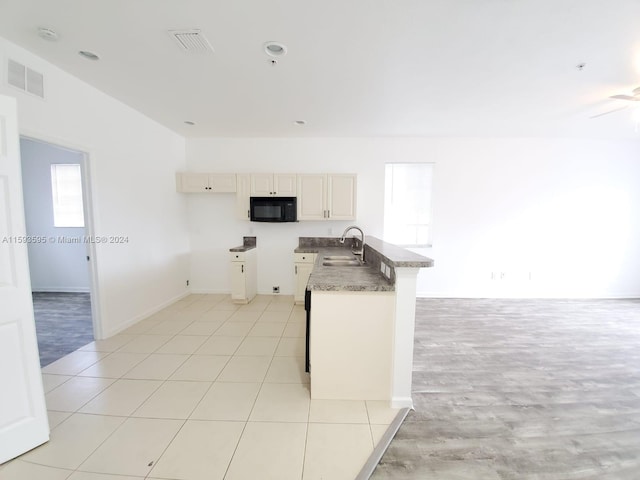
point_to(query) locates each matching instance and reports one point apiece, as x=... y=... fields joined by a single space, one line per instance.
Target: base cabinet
x=243 y=276
x=303 y=265
x=351 y=345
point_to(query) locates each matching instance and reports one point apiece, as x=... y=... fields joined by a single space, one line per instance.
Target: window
x=407 y=203
x=66 y=188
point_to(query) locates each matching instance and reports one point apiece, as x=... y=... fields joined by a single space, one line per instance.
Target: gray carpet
x=63 y=323
x=522 y=389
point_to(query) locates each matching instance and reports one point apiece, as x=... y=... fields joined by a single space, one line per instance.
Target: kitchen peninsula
x=362 y=319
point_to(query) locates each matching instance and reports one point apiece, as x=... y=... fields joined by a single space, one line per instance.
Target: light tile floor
x=203 y=390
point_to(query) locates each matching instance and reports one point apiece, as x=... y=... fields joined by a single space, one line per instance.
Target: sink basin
x=342 y=263
x=339 y=257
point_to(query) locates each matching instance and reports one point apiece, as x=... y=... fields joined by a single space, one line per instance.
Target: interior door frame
x=89 y=219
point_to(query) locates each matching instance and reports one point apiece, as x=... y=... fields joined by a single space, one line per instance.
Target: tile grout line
x=235 y=450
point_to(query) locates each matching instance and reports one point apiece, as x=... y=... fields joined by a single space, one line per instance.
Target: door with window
x=23 y=415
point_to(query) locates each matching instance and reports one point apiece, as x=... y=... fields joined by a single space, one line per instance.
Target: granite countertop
x=357 y=278
x=247 y=244
x=364 y=278
x=396 y=256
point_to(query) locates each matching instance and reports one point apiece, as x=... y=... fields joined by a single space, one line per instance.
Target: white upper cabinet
x=327 y=197
x=243 y=188
x=312 y=198
x=273 y=185
x=341 y=197
x=206 y=182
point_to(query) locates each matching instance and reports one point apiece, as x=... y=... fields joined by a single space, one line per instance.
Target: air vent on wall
x=25 y=79
x=191 y=41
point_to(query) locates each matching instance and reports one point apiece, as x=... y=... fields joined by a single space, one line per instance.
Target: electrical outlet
x=385 y=269
x=276 y=289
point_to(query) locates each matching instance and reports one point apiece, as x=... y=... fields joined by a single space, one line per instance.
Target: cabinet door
x=284 y=184
x=342 y=197
x=302 y=272
x=222 y=182
x=261 y=184
x=238 y=283
x=251 y=274
x=312 y=199
x=243 y=181
x=193 y=182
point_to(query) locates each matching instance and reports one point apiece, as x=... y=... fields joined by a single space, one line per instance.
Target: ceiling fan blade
x=610 y=111
x=626 y=97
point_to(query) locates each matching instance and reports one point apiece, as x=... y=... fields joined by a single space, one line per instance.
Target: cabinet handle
x=248 y=216
x=242 y=268
x=328 y=213
x=296 y=269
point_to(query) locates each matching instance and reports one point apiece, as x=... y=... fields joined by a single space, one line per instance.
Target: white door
x=23 y=414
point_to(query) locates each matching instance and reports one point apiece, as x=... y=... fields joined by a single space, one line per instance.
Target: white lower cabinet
x=303 y=265
x=243 y=276
x=352 y=345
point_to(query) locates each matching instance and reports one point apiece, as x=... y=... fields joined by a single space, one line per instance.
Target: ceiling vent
x=191 y=41
x=25 y=79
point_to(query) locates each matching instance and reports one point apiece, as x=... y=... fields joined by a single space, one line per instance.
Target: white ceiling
x=353 y=67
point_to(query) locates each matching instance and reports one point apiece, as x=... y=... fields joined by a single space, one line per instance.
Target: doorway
x=56 y=207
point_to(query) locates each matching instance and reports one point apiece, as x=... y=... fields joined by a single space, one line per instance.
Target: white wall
x=54 y=266
x=544 y=217
x=132 y=162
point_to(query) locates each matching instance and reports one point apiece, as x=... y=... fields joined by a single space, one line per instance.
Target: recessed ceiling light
x=88 y=55
x=47 y=34
x=275 y=49
x=300 y=122
x=189 y=122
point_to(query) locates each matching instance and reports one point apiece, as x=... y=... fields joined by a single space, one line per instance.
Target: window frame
x=63 y=215
x=429 y=213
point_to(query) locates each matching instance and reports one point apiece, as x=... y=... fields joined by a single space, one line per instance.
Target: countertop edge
x=242 y=248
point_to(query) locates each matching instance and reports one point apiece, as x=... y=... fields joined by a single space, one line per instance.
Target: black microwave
x=273 y=209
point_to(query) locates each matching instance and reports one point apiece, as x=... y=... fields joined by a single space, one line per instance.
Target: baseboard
x=60 y=289
x=208 y=291
x=148 y=313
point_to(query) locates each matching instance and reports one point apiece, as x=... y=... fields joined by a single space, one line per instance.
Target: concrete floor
x=522 y=389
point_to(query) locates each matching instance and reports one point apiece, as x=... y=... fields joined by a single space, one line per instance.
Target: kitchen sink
x=352 y=262
x=339 y=257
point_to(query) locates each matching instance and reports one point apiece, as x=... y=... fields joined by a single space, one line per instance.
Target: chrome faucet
x=359 y=251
